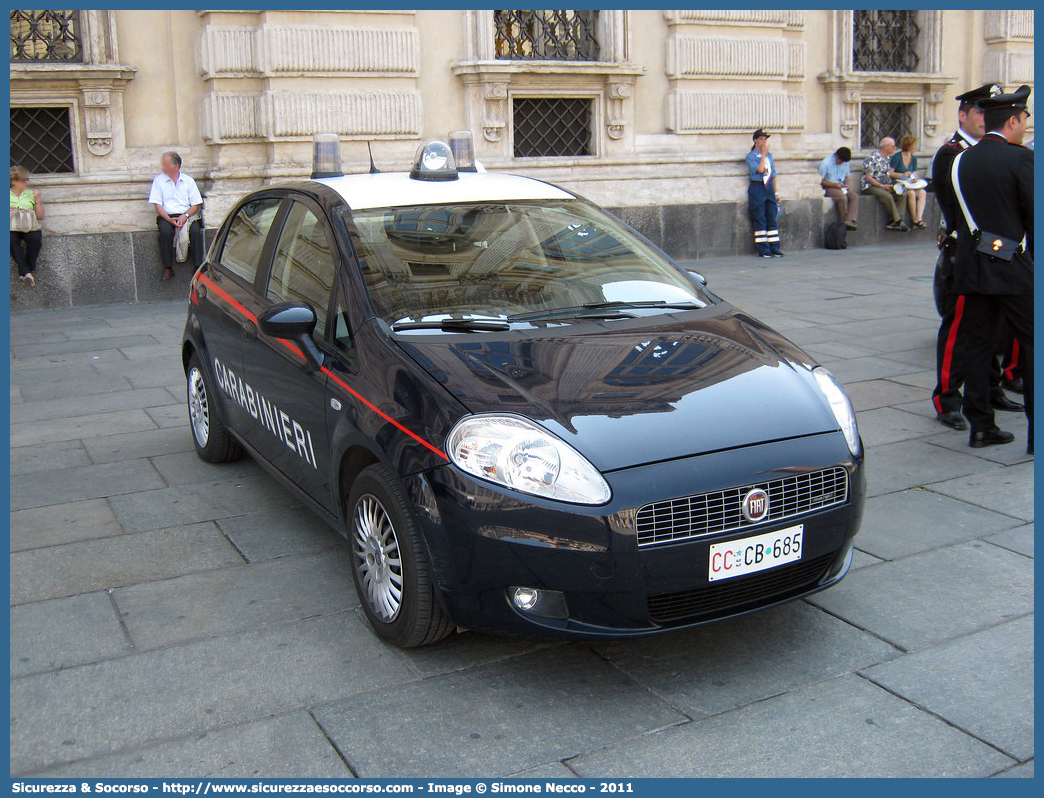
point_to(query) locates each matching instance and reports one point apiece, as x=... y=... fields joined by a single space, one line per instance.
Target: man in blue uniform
x=992 y=186
x=762 y=198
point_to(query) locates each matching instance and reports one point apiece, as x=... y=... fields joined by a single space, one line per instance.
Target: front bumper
x=483 y=539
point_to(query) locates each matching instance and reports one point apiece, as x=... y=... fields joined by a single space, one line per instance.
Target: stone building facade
x=648 y=112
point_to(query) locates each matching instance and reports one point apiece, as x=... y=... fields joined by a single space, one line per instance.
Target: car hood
x=625 y=393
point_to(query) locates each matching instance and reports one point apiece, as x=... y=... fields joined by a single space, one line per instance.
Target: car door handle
x=250 y=330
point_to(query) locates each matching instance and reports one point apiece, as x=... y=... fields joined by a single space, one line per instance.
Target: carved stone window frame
x=92 y=89
x=847 y=88
x=491 y=83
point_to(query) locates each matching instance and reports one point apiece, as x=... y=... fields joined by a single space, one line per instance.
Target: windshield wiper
x=652 y=303
x=454 y=325
x=583 y=311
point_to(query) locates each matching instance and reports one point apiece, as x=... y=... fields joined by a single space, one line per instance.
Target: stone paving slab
x=860 y=369
x=552 y=770
x=970 y=682
x=44 y=457
x=79 y=427
x=905 y=464
x=218 y=602
x=285 y=747
x=169 y=415
x=49 y=635
x=889 y=425
x=85 y=482
x=55 y=524
x=279 y=533
x=65 y=347
x=203 y=501
x=845 y=726
x=721 y=666
x=1024 y=771
x=493 y=719
x=67 y=406
x=871 y=394
x=905 y=523
x=132 y=445
x=153 y=696
x=1009 y=454
x=186 y=468
x=924 y=599
x=1019 y=539
x=26 y=369
x=1007 y=490
x=87 y=383
x=116 y=561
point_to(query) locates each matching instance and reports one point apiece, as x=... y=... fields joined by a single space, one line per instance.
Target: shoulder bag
x=989 y=244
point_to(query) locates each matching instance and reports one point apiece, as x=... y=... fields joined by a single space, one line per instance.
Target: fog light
x=542 y=603
x=526 y=598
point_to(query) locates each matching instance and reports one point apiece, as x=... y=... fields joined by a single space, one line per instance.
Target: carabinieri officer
x=992 y=184
x=762 y=198
x=947 y=395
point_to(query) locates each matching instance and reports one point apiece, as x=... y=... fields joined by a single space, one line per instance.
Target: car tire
x=390 y=566
x=214 y=443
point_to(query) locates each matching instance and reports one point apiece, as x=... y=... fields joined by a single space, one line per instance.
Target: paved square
x=174 y=618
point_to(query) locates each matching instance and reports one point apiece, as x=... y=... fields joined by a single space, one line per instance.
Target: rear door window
x=245 y=240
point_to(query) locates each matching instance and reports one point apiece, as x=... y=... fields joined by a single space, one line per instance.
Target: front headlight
x=514 y=452
x=841 y=406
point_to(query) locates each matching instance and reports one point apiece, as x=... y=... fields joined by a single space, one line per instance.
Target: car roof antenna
x=373 y=169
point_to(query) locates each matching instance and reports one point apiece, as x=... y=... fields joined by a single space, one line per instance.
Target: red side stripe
x=1009 y=372
x=294 y=348
x=951 y=339
x=381 y=413
x=221 y=292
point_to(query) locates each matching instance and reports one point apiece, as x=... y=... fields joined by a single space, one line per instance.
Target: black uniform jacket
x=941 y=178
x=996 y=179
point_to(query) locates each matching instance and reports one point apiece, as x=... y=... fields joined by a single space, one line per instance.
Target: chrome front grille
x=721 y=511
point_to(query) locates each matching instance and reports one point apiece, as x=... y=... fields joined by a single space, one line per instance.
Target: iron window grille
x=45 y=36
x=885 y=41
x=546 y=35
x=545 y=126
x=41 y=140
x=877 y=120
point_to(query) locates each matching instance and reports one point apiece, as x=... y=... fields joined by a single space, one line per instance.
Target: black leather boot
x=990 y=437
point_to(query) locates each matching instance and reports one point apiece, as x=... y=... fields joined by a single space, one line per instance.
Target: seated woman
x=903 y=166
x=26 y=241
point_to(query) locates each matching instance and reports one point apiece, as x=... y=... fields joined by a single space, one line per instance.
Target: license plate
x=748 y=555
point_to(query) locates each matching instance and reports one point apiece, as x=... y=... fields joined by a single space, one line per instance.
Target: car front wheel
x=389 y=564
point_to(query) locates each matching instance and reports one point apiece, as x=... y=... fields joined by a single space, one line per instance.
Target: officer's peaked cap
x=1017 y=99
x=981 y=93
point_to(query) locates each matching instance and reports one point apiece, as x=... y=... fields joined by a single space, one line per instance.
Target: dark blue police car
x=525 y=418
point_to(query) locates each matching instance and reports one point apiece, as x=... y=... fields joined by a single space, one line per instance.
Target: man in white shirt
x=177 y=199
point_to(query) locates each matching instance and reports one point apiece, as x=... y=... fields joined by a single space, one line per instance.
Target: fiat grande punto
x=524 y=417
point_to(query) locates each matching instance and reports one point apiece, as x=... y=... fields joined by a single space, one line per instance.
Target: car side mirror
x=695 y=275
x=293 y=322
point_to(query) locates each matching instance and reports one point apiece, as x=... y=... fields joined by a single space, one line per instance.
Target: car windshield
x=500 y=260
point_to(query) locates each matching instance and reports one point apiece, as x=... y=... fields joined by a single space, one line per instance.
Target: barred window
x=45 y=36
x=877 y=120
x=552 y=35
x=885 y=41
x=546 y=126
x=41 y=140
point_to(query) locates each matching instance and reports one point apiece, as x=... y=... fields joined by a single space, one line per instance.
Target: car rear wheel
x=389 y=564
x=213 y=441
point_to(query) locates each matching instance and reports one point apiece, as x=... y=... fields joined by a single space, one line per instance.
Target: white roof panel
x=397 y=189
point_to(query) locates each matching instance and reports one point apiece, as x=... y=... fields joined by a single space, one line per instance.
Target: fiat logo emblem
x=756 y=505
